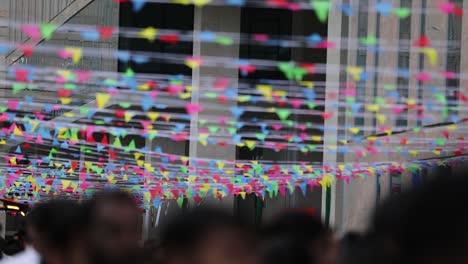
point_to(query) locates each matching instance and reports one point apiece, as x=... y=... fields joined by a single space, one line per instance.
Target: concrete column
x=389 y=34
x=3 y=217
x=335 y=31
x=436 y=27
x=218 y=19
x=464 y=60
x=414 y=60
x=4 y=37
x=372 y=63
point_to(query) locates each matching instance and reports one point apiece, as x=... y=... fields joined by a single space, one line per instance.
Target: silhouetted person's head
x=298 y=237
x=207 y=236
x=114 y=231
x=55 y=229
x=427 y=225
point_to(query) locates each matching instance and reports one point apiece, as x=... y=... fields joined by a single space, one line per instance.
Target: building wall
x=352 y=204
x=4 y=15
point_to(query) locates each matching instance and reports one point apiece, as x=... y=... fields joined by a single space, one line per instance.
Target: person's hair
x=295 y=225
x=184 y=232
x=422 y=224
x=288 y=238
x=103 y=197
x=58 y=222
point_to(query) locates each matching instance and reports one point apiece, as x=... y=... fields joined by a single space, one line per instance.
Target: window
x=160 y=16
x=453 y=59
x=361 y=60
x=403 y=62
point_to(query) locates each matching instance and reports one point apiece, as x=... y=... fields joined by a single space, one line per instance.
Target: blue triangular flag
x=138 y=5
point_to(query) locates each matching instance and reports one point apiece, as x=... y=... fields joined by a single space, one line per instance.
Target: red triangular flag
x=105 y=32
x=422 y=42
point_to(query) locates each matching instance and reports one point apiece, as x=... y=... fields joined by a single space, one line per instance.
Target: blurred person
x=207 y=236
x=28 y=255
x=298 y=237
x=353 y=245
x=54 y=229
x=427 y=225
x=114 y=232
x=151 y=252
x=2 y=246
x=12 y=246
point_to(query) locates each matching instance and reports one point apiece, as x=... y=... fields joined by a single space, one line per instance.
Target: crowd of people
x=424 y=225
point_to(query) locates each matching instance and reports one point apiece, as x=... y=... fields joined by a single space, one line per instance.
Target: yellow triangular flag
x=128 y=116
x=200 y=3
x=148 y=33
x=102 y=99
x=181 y=2
x=76 y=53
x=250 y=144
x=381 y=118
x=354 y=130
x=65 y=184
x=153 y=116
x=316 y=138
x=307 y=84
x=373 y=108
x=266 y=90
x=17 y=131
x=355 y=72
x=147 y=196
x=243 y=194
x=220 y=164
x=432 y=54
x=65 y=100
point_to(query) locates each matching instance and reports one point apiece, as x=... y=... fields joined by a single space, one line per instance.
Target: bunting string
x=68 y=129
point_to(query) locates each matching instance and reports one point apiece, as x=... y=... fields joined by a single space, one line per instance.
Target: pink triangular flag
x=193 y=108
x=32 y=31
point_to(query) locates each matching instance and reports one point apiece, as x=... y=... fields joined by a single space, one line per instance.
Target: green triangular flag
x=312 y=147
x=130 y=146
x=289 y=123
x=17 y=87
x=402 y=12
x=287 y=69
x=84 y=110
x=224 y=41
x=47 y=30
x=283 y=114
x=117 y=142
x=211 y=95
x=124 y=105
x=321 y=9
x=69 y=86
x=260 y=136
x=311 y=105
x=440 y=141
x=213 y=129
x=152 y=134
x=369 y=41
x=299 y=73
x=180 y=202
x=232 y=130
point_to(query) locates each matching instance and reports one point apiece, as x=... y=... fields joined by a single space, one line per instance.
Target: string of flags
x=70 y=131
